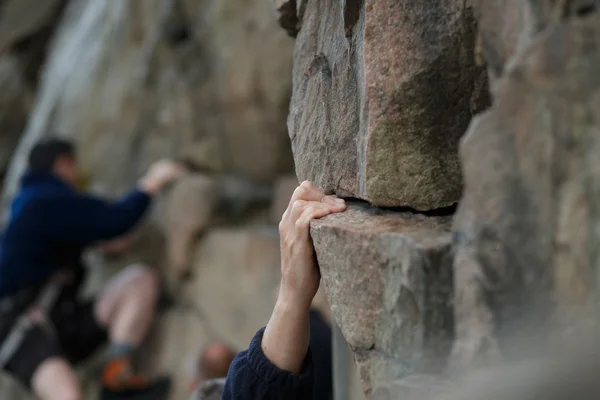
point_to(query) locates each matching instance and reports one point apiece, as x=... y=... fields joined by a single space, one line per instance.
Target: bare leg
x=127 y=305
x=54 y=379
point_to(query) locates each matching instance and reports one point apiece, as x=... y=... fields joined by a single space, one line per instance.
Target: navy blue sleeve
x=86 y=219
x=253 y=377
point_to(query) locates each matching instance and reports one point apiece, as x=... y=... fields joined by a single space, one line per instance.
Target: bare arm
x=287 y=335
x=276 y=364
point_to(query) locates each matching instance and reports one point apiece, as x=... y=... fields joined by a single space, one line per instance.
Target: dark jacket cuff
x=274 y=376
x=139 y=195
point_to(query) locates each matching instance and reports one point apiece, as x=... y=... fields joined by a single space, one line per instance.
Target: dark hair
x=44 y=154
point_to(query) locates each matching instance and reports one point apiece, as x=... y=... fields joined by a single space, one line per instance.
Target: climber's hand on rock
x=287 y=335
x=300 y=275
x=160 y=174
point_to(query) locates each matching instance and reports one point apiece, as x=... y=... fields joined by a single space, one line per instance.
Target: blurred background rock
x=134 y=81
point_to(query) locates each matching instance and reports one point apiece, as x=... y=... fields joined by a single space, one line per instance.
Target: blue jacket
x=253 y=377
x=50 y=225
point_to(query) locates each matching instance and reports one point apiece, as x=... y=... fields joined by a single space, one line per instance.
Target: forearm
x=287 y=335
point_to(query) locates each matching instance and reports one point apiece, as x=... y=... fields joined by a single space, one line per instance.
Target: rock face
x=25 y=30
x=20 y=19
x=388 y=277
x=190 y=210
x=383 y=91
x=15 y=102
x=238 y=306
x=525 y=234
x=507 y=27
x=208 y=81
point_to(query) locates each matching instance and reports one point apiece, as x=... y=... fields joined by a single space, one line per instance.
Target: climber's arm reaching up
x=278 y=363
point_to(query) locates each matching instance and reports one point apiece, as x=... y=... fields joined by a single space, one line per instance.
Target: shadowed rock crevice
x=288 y=18
x=352 y=12
x=578 y=8
x=176 y=27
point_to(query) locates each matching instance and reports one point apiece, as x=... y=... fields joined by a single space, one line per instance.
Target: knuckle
x=310 y=209
x=299 y=205
x=306 y=185
x=300 y=191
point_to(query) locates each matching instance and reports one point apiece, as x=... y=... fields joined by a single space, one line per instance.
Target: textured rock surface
x=205 y=80
x=20 y=19
x=526 y=232
x=190 y=210
x=383 y=90
x=562 y=373
x=25 y=30
x=507 y=27
x=388 y=277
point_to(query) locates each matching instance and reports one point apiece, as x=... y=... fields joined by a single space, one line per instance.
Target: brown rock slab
x=525 y=237
x=235 y=275
x=507 y=27
x=388 y=278
x=20 y=19
x=190 y=209
x=383 y=91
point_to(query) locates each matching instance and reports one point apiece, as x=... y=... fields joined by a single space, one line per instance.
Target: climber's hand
x=160 y=174
x=287 y=335
x=300 y=275
x=116 y=246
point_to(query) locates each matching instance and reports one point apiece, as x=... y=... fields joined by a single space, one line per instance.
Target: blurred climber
x=279 y=364
x=44 y=325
